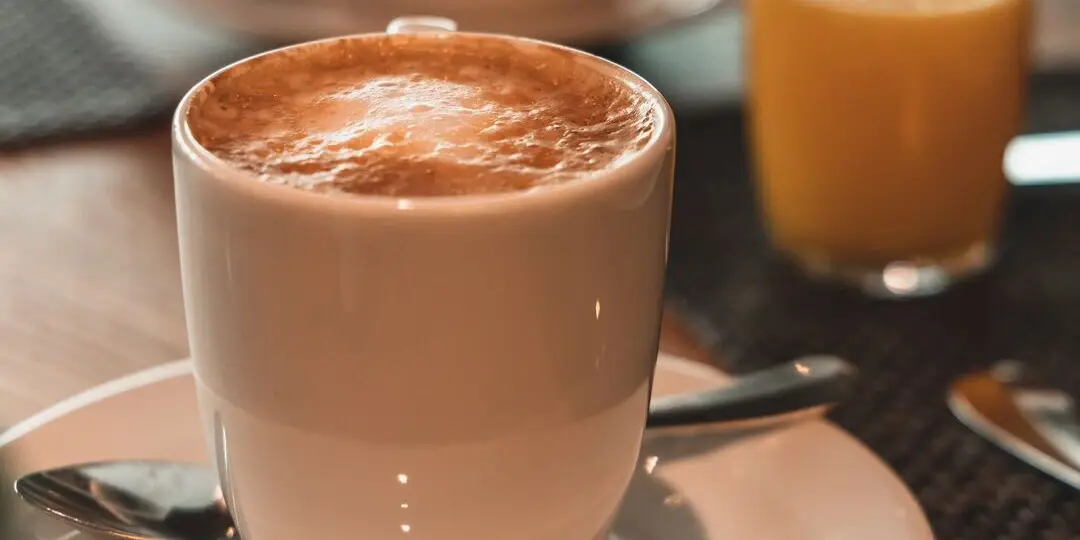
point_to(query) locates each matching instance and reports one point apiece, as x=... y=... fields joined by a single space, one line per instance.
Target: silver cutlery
x=136 y=500
x=777 y=394
x=1035 y=423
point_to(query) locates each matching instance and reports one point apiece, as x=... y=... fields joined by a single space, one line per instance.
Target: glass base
x=901 y=279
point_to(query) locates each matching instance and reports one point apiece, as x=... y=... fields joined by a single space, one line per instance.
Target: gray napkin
x=60 y=75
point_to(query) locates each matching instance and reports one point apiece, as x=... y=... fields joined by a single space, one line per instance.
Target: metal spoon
x=152 y=500
x=1033 y=422
x=136 y=500
x=778 y=394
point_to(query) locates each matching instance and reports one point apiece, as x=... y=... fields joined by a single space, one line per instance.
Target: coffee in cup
x=421 y=115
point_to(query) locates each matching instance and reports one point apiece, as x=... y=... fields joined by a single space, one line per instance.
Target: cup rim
x=643 y=162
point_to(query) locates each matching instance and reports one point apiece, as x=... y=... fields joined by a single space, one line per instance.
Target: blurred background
x=89 y=278
x=86 y=66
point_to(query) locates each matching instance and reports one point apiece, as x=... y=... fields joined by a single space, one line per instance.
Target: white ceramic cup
x=454 y=368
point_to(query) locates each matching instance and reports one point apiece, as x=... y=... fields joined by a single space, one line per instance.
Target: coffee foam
x=421 y=115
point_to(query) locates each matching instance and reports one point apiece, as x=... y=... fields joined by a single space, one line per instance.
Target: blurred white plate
x=576 y=21
x=810 y=481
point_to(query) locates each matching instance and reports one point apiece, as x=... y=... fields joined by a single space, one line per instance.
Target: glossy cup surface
x=472 y=368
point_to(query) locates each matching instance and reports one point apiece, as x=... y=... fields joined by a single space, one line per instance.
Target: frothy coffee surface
x=421 y=115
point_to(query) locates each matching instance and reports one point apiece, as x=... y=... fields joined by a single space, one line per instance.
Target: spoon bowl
x=136 y=500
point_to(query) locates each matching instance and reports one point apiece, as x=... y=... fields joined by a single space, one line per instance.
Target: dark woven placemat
x=61 y=75
x=1027 y=308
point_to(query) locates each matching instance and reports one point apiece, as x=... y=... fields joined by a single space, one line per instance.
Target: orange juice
x=879 y=125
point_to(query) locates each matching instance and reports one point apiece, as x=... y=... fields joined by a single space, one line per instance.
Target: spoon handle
x=805 y=383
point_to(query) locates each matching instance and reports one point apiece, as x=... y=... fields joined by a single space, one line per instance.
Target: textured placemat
x=1027 y=308
x=61 y=75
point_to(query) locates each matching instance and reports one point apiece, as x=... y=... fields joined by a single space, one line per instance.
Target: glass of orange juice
x=878 y=130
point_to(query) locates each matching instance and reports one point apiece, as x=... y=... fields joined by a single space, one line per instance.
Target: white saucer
x=810 y=481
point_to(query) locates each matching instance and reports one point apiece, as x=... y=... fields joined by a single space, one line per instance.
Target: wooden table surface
x=89 y=276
